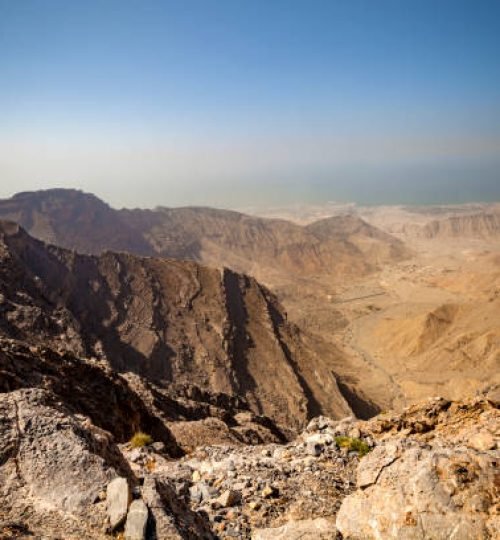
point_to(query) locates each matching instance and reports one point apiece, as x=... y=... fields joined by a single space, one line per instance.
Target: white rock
x=230 y=497
x=137 y=519
x=307 y=529
x=117 y=501
x=482 y=441
x=407 y=494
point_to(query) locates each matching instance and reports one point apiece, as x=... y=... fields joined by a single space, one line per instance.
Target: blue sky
x=231 y=102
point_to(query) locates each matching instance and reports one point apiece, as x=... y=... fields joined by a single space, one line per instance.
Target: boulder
x=137 y=519
x=230 y=497
x=117 y=501
x=411 y=489
x=54 y=466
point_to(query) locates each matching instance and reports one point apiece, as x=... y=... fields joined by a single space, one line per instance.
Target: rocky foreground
x=67 y=469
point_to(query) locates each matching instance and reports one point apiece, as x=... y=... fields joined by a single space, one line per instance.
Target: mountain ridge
x=273 y=250
x=167 y=320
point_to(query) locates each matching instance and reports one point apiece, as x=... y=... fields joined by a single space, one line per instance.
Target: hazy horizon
x=235 y=104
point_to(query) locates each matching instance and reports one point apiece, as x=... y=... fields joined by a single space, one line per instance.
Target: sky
x=249 y=102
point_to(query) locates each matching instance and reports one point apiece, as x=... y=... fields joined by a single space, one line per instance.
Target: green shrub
x=140 y=439
x=353 y=444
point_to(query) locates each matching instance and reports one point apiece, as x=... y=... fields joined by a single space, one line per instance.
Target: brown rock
x=230 y=497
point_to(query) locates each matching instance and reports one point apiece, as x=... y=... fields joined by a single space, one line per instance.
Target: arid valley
x=426 y=325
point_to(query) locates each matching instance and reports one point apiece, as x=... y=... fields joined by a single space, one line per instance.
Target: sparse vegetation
x=353 y=444
x=140 y=439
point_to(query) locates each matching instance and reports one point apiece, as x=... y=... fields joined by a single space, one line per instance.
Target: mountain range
x=272 y=250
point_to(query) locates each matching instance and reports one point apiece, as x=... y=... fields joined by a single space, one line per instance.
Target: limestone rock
x=117 y=501
x=483 y=441
x=53 y=467
x=449 y=491
x=230 y=497
x=137 y=519
x=308 y=529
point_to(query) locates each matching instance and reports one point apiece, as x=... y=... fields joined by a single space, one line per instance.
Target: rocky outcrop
x=479 y=225
x=433 y=474
x=54 y=466
x=408 y=490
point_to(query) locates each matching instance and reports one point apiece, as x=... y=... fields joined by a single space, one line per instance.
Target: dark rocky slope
x=169 y=321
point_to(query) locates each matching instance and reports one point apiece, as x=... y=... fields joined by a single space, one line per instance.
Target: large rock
x=53 y=467
x=417 y=492
x=172 y=518
x=230 y=497
x=137 y=520
x=117 y=501
x=164 y=522
x=483 y=441
x=307 y=529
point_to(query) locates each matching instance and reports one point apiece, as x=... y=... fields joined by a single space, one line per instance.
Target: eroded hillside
x=169 y=321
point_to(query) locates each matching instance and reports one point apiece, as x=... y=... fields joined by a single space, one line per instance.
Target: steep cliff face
x=170 y=321
x=480 y=225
